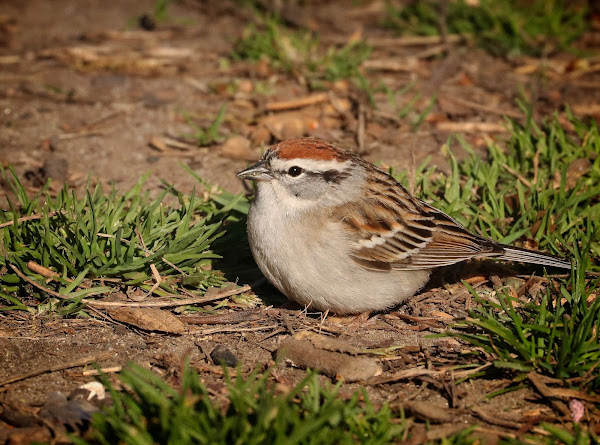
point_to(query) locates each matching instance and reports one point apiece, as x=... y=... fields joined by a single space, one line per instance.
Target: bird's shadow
x=487 y=268
x=238 y=265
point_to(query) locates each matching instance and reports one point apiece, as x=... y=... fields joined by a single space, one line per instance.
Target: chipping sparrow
x=332 y=231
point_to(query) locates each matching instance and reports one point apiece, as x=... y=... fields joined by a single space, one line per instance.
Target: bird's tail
x=529 y=256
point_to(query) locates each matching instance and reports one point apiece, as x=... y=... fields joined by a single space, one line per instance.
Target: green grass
x=107 y=235
x=299 y=53
x=161 y=7
x=540 y=187
x=251 y=412
x=407 y=109
x=555 y=334
x=557 y=209
x=558 y=435
x=205 y=136
x=506 y=28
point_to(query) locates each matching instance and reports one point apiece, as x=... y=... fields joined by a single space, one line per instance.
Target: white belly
x=310 y=264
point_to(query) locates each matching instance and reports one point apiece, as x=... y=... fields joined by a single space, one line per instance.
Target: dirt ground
x=85 y=92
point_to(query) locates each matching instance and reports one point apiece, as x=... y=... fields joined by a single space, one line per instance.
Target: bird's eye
x=295 y=171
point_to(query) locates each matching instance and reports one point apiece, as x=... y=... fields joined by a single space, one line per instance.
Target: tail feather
x=529 y=256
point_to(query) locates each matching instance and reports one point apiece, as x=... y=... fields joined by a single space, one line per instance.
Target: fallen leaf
x=149 y=319
x=158 y=143
x=576 y=170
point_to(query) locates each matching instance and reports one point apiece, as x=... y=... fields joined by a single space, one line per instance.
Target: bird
x=335 y=233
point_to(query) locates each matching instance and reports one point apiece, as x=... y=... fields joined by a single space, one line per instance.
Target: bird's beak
x=258 y=172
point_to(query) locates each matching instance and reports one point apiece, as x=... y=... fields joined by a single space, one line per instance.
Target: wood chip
x=327 y=343
x=231 y=317
x=303 y=354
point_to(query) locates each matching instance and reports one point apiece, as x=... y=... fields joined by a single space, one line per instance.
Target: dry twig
x=394 y=65
x=100 y=371
x=31 y=218
x=518 y=175
x=421 y=372
x=79 y=362
x=297 y=103
x=415 y=40
x=170 y=303
x=471 y=127
x=480 y=107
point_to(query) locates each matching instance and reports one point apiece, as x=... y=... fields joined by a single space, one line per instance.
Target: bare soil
x=86 y=93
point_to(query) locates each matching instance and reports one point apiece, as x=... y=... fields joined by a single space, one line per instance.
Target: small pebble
x=292 y=128
x=238 y=147
x=246 y=86
x=221 y=354
x=260 y=136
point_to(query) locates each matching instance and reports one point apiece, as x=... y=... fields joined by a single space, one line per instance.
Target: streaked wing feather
x=396 y=231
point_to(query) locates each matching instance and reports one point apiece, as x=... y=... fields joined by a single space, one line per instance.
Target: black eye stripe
x=331 y=176
x=335 y=176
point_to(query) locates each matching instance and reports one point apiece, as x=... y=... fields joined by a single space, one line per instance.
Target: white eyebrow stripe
x=313 y=165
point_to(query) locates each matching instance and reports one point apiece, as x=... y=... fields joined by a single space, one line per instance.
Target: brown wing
x=393 y=230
